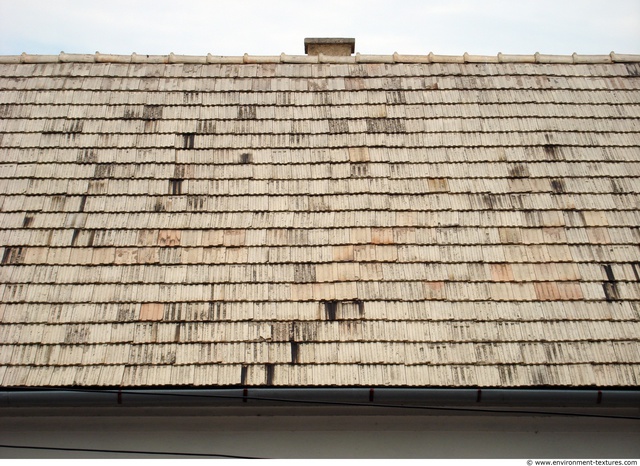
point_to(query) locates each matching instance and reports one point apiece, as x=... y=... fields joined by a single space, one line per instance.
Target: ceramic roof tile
x=338 y=210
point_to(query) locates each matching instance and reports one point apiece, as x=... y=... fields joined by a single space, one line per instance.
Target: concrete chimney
x=337 y=47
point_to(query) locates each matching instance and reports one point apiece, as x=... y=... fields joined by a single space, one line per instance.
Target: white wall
x=322 y=436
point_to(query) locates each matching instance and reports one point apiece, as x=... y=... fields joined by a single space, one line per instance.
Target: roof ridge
x=302 y=59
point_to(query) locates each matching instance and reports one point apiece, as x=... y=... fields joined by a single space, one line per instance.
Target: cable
x=286 y=400
x=343 y=403
x=136 y=452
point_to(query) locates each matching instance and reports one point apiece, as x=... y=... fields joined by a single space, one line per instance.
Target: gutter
x=364 y=396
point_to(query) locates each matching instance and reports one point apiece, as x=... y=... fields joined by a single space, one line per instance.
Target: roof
x=284 y=58
x=420 y=221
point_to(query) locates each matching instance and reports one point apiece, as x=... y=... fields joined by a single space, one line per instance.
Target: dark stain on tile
x=558 y=186
x=243 y=375
x=270 y=368
x=295 y=352
x=610 y=286
x=74 y=236
x=188 y=140
x=330 y=309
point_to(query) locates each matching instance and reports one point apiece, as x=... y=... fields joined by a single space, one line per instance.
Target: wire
x=286 y=400
x=343 y=403
x=136 y=452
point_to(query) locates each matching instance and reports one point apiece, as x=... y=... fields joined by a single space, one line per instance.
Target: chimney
x=337 y=47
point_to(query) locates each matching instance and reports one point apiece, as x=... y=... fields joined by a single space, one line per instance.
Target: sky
x=259 y=27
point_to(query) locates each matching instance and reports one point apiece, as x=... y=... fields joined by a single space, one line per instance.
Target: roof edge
x=362 y=396
x=284 y=58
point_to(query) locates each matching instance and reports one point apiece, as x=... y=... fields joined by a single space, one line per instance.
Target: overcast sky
x=262 y=27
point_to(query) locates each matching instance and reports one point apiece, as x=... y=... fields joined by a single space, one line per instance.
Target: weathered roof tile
x=218 y=221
